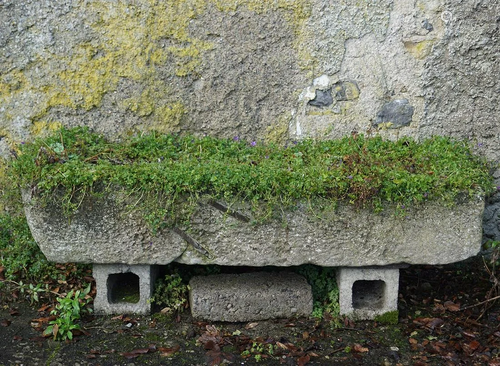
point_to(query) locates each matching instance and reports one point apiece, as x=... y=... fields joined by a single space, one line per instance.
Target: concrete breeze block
x=367 y=292
x=113 y=281
x=250 y=296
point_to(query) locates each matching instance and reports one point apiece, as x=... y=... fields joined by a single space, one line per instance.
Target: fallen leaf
x=211 y=345
x=359 y=348
x=251 y=325
x=55 y=330
x=44 y=320
x=301 y=361
x=43 y=308
x=412 y=341
x=167 y=352
x=129 y=355
x=429 y=322
x=210 y=338
x=436 y=322
x=474 y=345
x=141 y=351
x=438 y=308
x=135 y=353
x=451 y=306
x=215 y=358
x=281 y=345
x=5 y=323
x=305 y=335
x=14 y=312
x=472 y=335
x=166 y=310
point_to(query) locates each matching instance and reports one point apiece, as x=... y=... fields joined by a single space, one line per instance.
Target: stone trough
x=367 y=249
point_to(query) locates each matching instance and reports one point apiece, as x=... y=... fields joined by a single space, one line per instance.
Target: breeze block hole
x=368 y=294
x=123 y=288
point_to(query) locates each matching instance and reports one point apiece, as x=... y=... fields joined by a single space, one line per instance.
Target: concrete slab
x=250 y=296
x=365 y=293
x=123 y=288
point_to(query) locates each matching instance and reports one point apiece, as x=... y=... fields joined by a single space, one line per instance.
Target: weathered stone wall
x=257 y=69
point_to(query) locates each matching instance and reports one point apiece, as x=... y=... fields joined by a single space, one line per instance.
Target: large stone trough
x=367 y=248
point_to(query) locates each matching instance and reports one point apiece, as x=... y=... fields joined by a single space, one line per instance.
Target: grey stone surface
x=432 y=234
x=323 y=98
x=100 y=232
x=108 y=281
x=106 y=232
x=367 y=292
x=395 y=114
x=345 y=90
x=250 y=296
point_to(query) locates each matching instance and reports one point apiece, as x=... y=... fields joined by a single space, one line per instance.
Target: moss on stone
x=391 y=317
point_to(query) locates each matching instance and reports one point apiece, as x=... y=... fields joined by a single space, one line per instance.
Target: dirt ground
x=440 y=323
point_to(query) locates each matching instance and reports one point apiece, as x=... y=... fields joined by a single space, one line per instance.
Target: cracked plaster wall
x=256 y=69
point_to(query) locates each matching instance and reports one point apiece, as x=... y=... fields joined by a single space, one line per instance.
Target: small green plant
x=19 y=254
x=324 y=288
x=258 y=350
x=22 y=263
x=172 y=293
x=68 y=311
x=32 y=291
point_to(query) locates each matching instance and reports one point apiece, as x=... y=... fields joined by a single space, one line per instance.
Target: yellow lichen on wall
x=132 y=43
x=127 y=44
x=165 y=117
x=40 y=128
x=168 y=119
x=277 y=133
x=11 y=83
x=419 y=50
